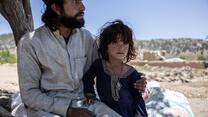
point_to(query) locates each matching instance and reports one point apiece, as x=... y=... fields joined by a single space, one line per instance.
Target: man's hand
x=79 y=112
x=141 y=84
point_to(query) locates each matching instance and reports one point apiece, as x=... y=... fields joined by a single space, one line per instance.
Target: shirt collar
x=59 y=36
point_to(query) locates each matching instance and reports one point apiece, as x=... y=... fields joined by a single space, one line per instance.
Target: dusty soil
x=8 y=77
x=195 y=89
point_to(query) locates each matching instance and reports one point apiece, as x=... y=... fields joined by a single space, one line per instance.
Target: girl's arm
x=88 y=80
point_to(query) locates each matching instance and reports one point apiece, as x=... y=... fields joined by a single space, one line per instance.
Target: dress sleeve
x=137 y=96
x=88 y=80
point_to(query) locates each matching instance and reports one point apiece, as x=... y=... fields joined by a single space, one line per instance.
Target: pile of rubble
x=165 y=74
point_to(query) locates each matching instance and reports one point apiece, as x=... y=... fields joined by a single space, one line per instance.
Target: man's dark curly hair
x=49 y=17
x=109 y=34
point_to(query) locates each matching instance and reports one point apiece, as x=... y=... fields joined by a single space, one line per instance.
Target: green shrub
x=7 y=57
x=187 y=56
x=182 y=57
x=202 y=57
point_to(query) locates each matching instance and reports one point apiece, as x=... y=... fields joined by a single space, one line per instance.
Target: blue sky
x=148 y=18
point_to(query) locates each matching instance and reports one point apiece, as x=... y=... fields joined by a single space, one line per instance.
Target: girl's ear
x=56 y=9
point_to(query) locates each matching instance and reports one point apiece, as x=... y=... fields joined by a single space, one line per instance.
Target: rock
x=5 y=100
x=4 y=112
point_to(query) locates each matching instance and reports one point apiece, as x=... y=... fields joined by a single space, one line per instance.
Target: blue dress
x=121 y=97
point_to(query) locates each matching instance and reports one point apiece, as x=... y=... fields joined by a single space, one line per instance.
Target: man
x=52 y=61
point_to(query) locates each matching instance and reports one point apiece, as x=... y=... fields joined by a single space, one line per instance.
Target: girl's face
x=118 y=50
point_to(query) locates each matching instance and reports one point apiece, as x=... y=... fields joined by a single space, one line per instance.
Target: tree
x=19 y=16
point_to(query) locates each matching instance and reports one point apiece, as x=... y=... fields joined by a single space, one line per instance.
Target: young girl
x=114 y=78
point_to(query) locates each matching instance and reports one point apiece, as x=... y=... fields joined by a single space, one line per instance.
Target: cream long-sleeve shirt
x=50 y=71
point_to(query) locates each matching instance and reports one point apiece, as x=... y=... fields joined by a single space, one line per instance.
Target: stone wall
x=150 y=55
x=192 y=64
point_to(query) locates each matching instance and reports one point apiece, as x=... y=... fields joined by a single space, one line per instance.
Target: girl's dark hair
x=109 y=34
x=49 y=17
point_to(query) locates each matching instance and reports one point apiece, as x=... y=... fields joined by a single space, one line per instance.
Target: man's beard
x=72 y=22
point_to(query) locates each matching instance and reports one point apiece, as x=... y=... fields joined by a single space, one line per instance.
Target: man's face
x=73 y=14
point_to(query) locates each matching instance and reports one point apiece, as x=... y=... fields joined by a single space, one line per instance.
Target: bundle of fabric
x=165 y=103
x=18 y=109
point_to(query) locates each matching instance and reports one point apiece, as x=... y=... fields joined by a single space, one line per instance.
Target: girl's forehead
x=119 y=41
x=121 y=38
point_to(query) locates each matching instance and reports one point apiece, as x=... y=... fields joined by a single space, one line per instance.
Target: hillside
x=7 y=42
x=175 y=47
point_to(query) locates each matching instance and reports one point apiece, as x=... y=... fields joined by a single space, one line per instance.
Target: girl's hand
x=90 y=98
x=89 y=101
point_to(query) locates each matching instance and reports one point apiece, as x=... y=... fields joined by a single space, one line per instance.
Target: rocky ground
x=193 y=83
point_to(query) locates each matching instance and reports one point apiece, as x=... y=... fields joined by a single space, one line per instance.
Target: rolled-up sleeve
x=29 y=72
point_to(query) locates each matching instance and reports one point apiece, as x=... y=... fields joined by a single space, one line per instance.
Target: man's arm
x=29 y=71
x=137 y=95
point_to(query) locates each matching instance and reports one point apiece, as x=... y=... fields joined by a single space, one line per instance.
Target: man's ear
x=56 y=9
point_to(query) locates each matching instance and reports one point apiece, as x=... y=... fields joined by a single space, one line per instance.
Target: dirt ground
x=8 y=77
x=196 y=91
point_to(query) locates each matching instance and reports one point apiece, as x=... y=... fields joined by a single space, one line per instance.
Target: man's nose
x=82 y=7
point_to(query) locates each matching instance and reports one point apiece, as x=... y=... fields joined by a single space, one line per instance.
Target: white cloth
x=165 y=103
